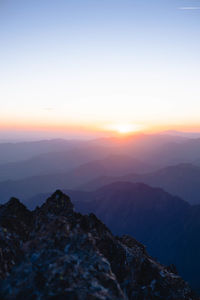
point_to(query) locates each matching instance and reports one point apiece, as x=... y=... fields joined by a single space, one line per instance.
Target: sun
x=125 y=128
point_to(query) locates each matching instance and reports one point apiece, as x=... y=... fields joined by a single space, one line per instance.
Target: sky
x=74 y=65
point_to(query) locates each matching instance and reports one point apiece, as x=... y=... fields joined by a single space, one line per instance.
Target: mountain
x=51 y=163
x=177 y=153
x=20 y=151
x=13 y=152
x=164 y=150
x=56 y=253
x=167 y=225
x=60 y=156
x=158 y=149
x=182 y=180
x=28 y=187
x=113 y=164
x=77 y=196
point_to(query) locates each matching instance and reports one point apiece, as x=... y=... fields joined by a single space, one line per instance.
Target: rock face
x=56 y=253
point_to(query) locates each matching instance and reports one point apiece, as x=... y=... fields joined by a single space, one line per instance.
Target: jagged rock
x=57 y=204
x=16 y=218
x=15 y=225
x=65 y=255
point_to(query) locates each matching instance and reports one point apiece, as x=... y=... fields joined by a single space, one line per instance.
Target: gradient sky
x=100 y=63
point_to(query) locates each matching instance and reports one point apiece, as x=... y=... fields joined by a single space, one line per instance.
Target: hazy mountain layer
x=182 y=180
x=111 y=165
x=13 y=152
x=43 y=157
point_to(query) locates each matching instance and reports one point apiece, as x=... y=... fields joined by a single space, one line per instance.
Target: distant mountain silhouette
x=111 y=165
x=56 y=156
x=51 y=162
x=159 y=149
x=13 y=152
x=176 y=152
x=135 y=146
x=182 y=180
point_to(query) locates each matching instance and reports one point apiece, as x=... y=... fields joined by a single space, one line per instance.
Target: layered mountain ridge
x=56 y=253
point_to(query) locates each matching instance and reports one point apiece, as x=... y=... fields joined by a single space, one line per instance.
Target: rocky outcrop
x=16 y=222
x=56 y=253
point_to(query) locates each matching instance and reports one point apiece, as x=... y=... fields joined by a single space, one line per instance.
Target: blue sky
x=100 y=63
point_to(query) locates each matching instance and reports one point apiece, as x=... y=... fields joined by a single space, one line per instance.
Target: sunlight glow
x=126 y=128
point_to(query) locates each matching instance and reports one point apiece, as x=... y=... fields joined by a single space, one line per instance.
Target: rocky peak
x=57 y=204
x=16 y=218
x=16 y=222
x=71 y=256
x=13 y=207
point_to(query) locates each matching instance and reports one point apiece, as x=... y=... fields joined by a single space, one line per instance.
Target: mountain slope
x=66 y=255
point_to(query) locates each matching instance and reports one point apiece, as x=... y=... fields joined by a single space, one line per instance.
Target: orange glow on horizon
x=120 y=129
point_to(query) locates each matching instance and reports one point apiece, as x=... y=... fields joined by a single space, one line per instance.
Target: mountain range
x=146 y=186
x=28 y=187
x=182 y=180
x=167 y=161
x=18 y=151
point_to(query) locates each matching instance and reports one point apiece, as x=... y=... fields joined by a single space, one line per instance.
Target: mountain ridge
x=182 y=180
x=28 y=187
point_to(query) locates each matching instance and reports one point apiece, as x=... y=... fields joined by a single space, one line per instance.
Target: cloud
x=189 y=8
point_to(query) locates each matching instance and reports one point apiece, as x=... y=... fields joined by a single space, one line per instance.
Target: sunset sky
x=100 y=64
